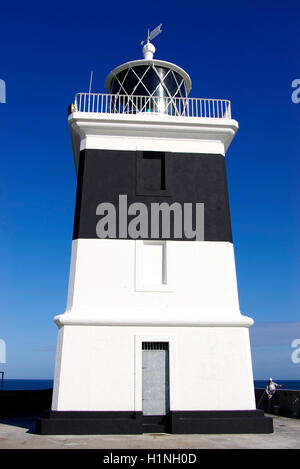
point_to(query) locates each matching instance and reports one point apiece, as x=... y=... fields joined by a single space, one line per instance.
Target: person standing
x=271 y=390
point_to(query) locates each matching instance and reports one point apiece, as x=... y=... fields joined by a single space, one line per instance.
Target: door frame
x=161 y=355
x=138 y=380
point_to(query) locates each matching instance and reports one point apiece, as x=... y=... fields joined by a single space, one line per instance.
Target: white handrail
x=132 y=104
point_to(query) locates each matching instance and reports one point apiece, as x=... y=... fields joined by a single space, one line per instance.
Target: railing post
x=2 y=379
x=75 y=102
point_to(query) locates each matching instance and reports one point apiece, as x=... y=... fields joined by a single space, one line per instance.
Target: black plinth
x=176 y=422
x=208 y=422
x=90 y=423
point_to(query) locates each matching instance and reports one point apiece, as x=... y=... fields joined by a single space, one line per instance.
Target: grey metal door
x=155 y=378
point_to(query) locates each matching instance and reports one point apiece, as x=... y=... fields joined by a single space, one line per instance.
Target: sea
x=26 y=384
x=31 y=384
x=286 y=384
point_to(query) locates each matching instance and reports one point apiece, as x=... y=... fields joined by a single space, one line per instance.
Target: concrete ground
x=18 y=433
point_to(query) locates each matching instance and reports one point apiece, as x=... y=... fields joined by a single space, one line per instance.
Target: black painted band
x=193 y=178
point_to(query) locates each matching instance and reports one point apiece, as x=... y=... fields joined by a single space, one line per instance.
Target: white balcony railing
x=125 y=104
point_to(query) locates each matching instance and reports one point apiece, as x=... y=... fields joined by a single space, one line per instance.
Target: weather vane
x=153 y=34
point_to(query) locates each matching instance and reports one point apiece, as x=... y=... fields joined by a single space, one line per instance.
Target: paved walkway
x=18 y=433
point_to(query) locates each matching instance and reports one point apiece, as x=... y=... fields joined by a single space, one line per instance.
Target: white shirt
x=271 y=386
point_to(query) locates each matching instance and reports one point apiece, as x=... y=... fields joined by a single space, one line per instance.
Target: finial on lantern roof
x=148 y=51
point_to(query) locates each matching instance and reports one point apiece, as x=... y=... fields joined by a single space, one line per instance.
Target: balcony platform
x=132 y=123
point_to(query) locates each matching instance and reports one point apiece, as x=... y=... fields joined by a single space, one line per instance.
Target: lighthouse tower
x=152 y=338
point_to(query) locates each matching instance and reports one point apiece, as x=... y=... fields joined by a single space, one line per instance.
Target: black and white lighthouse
x=152 y=338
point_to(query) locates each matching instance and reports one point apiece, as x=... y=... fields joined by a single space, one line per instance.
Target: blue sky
x=243 y=51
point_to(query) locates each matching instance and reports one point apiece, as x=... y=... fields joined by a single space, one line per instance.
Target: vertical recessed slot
x=154 y=267
x=154 y=171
